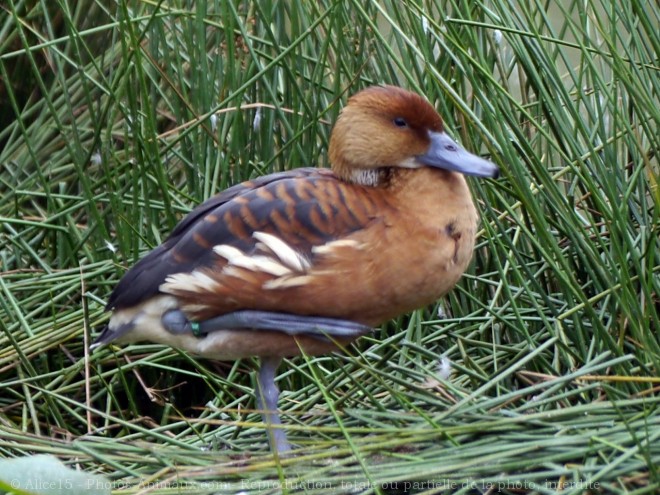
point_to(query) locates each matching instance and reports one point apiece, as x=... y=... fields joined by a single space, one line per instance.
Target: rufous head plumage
x=385 y=127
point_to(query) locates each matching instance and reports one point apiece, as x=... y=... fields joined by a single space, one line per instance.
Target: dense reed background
x=117 y=117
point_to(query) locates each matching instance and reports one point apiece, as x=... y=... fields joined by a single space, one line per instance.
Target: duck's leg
x=175 y=321
x=267 y=397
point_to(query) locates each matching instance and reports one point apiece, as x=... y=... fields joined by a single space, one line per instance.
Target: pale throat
x=367 y=176
x=379 y=176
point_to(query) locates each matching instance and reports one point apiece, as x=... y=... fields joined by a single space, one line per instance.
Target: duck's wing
x=260 y=232
x=181 y=252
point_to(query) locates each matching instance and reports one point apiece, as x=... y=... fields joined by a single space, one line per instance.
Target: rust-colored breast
x=305 y=242
x=356 y=253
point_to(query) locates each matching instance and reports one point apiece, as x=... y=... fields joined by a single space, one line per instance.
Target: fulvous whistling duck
x=310 y=259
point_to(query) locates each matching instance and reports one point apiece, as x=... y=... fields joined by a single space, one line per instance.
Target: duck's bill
x=447 y=154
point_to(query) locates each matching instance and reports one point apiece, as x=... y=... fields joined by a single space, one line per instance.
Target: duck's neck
x=370 y=177
x=411 y=184
x=427 y=185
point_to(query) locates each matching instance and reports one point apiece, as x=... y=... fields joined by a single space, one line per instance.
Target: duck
x=308 y=260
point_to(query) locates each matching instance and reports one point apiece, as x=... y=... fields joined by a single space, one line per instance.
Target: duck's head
x=385 y=127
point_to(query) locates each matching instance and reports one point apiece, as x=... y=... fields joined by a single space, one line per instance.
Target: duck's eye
x=400 y=122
